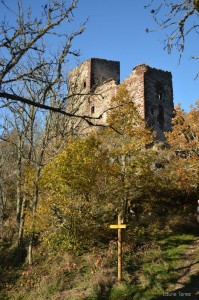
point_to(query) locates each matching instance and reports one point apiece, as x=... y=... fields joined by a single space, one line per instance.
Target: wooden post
x=119 y=227
x=119 y=249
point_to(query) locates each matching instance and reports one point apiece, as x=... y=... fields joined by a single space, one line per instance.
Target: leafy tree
x=94 y=178
x=74 y=186
x=127 y=149
x=184 y=141
x=179 y=19
x=85 y=186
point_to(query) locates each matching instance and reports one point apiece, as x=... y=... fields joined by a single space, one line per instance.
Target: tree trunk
x=1 y=210
x=20 y=203
x=1 y=200
x=125 y=191
x=32 y=235
x=30 y=249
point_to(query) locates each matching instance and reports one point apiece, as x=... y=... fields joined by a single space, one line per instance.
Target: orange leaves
x=184 y=141
x=185 y=133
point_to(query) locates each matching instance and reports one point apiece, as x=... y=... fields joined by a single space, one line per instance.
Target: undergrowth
x=153 y=257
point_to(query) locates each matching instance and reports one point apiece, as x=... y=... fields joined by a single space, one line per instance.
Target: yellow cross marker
x=122 y=226
x=119 y=227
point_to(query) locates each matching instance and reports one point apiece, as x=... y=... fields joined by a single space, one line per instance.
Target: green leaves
x=94 y=177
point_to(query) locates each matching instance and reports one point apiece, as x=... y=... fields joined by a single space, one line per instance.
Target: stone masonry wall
x=101 y=101
x=93 y=84
x=135 y=85
x=97 y=82
x=158 y=100
x=103 y=70
x=79 y=80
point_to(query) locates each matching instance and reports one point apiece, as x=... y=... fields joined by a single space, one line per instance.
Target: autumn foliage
x=121 y=168
x=85 y=186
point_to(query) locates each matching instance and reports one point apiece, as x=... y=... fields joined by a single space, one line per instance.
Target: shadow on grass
x=11 y=261
x=104 y=294
x=116 y=291
x=171 y=251
x=189 y=291
x=186 y=268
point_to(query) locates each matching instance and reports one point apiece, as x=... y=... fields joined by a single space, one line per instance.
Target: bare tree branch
x=26 y=57
x=177 y=18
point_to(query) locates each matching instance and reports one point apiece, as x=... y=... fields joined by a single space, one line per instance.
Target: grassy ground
x=161 y=267
x=163 y=261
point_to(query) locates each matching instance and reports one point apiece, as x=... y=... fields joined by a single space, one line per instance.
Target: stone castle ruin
x=95 y=82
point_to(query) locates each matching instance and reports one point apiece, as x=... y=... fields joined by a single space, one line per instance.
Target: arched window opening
x=160 y=117
x=160 y=96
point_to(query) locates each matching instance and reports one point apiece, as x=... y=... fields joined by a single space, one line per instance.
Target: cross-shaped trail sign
x=119 y=227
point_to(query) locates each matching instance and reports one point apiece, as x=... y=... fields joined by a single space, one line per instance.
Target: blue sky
x=116 y=30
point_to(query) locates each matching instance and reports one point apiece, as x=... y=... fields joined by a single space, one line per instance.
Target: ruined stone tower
x=96 y=81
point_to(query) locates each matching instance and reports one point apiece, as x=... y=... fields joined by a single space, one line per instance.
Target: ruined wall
x=91 y=87
x=97 y=82
x=79 y=86
x=158 y=100
x=135 y=85
x=100 y=102
x=103 y=70
x=92 y=73
x=79 y=80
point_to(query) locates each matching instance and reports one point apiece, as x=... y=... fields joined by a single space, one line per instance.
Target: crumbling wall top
x=145 y=67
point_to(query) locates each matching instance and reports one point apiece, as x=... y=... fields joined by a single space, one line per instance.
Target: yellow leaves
x=29 y=177
x=124 y=148
x=185 y=133
x=49 y=207
x=125 y=118
x=124 y=114
x=184 y=142
x=73 y=172
x=93 y=176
